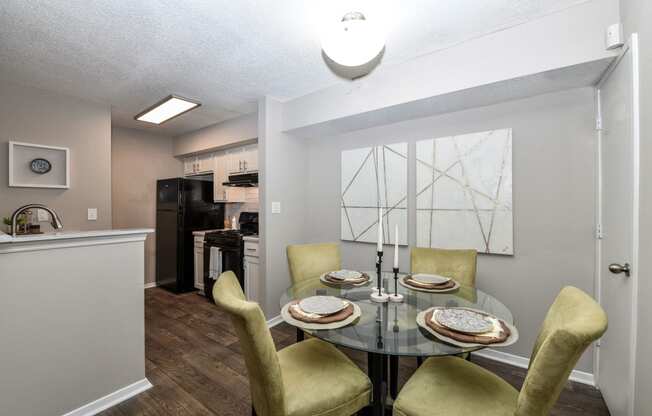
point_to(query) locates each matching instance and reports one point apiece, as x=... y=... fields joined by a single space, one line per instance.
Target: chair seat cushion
x=320 y=380
x=454 y=386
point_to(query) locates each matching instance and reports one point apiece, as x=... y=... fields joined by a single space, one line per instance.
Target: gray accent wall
x=36 y=116
x=554 y=170
x=138 y=160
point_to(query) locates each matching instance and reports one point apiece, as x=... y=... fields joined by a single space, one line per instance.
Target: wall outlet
x=43 y=215
x=92 y=214
x=276 y=207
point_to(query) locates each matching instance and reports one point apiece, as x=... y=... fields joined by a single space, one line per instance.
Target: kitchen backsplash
x=251 y=205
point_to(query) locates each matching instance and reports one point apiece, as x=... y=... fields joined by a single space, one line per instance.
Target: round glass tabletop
x=391 y=328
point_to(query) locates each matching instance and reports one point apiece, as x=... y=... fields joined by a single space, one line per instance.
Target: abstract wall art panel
x=374 y=177
x=464 y=192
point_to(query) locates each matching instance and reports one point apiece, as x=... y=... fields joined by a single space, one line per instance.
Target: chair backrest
x=573 y=322
x=311 y=260
x=263 y=367
x=461 y=265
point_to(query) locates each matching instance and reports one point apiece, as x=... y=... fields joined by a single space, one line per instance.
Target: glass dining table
x=386 y=331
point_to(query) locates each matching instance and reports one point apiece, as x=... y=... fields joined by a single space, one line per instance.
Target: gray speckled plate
x=463 y=320
x=322 y=305
x=421 y=321
x=345 y=275
x=430 y=278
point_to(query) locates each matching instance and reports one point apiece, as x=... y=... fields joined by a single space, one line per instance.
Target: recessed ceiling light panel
x=168 y=108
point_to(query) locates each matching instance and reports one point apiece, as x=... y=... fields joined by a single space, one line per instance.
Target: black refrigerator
x=182 y=206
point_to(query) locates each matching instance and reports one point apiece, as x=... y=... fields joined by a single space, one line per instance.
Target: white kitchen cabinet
x=252 y=272
x=243 y=159
x=189 y=165
x=198 y=165
x=220 y=176
x=235 y=159
x=205 y=163
x=250 y=158
x=199 y=264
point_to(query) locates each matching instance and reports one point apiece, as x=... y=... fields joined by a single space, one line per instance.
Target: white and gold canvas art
x=374 y=177
x=464 y=192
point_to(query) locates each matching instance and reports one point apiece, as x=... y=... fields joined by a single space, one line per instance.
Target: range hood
x=243 y=180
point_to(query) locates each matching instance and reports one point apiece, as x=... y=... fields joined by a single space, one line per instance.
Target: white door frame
x=630 y=46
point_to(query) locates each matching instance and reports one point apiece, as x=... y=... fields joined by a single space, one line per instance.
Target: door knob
x=616 y=268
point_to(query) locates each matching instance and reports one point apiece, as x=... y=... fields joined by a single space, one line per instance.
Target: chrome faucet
x=54 y=218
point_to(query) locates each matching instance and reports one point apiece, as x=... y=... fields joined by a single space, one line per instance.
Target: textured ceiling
x=227 y=54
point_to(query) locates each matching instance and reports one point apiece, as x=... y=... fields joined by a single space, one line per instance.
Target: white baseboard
x=111 y=399
x=150 y=285
x=523 y=362
x=274 y=321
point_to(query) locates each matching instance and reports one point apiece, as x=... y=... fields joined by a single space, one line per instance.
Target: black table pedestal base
x=377 y=364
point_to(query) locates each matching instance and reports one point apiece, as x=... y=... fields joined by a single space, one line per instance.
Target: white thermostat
x=614 y=36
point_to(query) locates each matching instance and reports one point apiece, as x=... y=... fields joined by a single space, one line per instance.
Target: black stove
x=231 y=246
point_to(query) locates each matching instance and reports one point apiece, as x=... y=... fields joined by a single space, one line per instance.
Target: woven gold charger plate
x=421 y=289
x=421 y=321
x=285 y=314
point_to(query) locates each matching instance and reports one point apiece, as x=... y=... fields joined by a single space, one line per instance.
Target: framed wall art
x=38 y=166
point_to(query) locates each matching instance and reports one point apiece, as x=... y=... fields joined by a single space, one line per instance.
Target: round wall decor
x=40 y=166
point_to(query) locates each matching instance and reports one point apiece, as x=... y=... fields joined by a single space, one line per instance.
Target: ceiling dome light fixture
x=353 y=41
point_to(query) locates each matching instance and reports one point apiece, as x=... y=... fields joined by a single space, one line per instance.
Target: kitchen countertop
x=68 y=235
x=203 y=232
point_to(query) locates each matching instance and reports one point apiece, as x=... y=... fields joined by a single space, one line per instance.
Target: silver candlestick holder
x=395 y=297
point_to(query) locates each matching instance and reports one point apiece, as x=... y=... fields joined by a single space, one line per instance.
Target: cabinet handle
x=245 y=165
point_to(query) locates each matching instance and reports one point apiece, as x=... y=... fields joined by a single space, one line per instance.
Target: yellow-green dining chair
x=461 y=265
x=452 y=386
x=305 y=379
x=307 y=261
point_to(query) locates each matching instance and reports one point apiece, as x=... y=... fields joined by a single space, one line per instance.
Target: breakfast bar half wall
x=72 y=322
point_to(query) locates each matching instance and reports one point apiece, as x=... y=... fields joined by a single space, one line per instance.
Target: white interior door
x=619 y=170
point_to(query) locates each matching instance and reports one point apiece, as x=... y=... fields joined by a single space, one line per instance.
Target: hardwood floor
x=195 y=364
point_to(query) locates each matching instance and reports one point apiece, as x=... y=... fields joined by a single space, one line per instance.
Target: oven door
x=232 y=260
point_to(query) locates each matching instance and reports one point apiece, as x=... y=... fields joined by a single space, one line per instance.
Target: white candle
x=380 y=230
x=396 y=247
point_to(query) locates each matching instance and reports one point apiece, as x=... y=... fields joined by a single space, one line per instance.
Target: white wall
x=282 y=164
x=569 y=37
x=637 y=17
x=138 y=160
x=37 y=116
x=73 y=324
x=554 y=199
x=220 y=135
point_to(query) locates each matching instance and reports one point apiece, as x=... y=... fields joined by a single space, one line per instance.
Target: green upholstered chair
x=305 y=379
x=452 y=386
x=459 y=264
x=307 y=261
